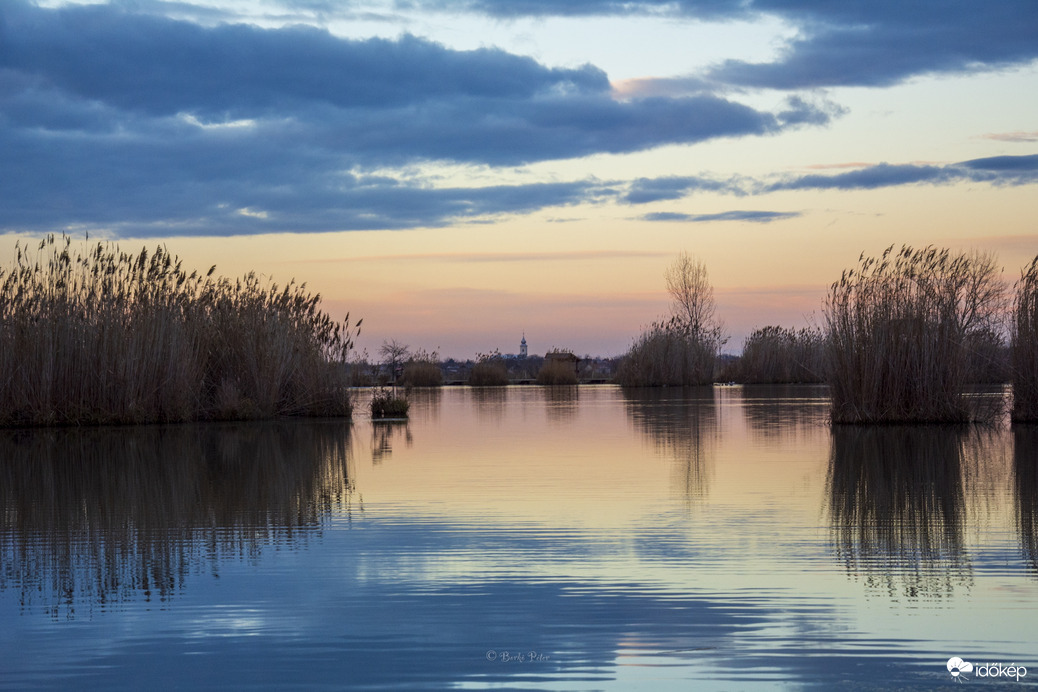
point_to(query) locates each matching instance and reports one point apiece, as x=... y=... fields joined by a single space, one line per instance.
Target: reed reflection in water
x=96 y=516
x=897 y=507
x=782 y=414
x=1025 y=476
x=683 y=425
x=383 y=434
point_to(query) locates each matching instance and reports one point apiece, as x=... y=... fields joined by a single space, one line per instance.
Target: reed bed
x=557 y=373
x=488 y=371
x=668 y=354
x=100 y=336
x=776 y=355
x=897 y=329
x=423 y=370
x=1025 y=346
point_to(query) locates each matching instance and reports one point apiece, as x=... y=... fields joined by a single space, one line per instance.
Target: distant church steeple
x=522 y=346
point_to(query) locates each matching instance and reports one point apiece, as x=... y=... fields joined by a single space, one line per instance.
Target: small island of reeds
x=100 y=336
x=387 y=405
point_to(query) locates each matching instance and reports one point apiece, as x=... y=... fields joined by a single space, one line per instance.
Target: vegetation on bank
x=898 y=328
x=681 y=350
x=99 y=336
x=777 y=355
x=422 y=370
x=560 y=368
x=1025 y=346
x=489 y=371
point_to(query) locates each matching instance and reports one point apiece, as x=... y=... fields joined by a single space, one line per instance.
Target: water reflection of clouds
x=96 y=516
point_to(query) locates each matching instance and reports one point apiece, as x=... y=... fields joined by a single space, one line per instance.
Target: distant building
x=522 y=346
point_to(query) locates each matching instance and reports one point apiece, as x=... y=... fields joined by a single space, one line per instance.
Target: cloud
x=882 y=43
x=1012 y=136
x=750 y=216
x=135 y=122
x=838 y=44
x=996 y=170
x=1022 y=165
x=1011 y=170
x=646 y=190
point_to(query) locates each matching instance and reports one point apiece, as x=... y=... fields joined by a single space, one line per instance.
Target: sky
x=461 y=173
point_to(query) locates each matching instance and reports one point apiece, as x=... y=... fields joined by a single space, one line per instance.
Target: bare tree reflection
x=1025 y=476
x=896 y=507
x=104 y=515
x=683 y=425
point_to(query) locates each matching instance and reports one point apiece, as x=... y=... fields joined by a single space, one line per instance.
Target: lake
x=581 y=538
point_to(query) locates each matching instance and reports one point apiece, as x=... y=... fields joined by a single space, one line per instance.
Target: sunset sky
x=459 y=173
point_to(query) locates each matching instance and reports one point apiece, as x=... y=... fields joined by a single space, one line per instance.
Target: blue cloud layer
x=110 y=117
x=839 y=43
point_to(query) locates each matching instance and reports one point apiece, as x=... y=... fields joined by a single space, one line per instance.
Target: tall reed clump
x=776 y=355
x=668 y=354
x=422 y=370
x=897 y=329
x=557 y=370
x=682 y=350
x=386 y=404
x=102 y=336
x=489 y=371
x=1025 y=346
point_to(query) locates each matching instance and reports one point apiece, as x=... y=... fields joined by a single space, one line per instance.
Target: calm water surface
x=522 y=538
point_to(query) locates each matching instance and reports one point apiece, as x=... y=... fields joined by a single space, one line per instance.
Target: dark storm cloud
x=874 y=43
x=110 y=117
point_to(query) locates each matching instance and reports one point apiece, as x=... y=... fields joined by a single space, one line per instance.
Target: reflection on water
x=383 y=433
x=683 y=425
x=561 y=402
x=519 y=520
x=897 y=507
x=491 y=403
x=777 y=412
x=1025 y=475
x=94 y=516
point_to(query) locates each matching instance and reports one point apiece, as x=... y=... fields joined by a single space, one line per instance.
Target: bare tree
x=393 y=355
x=692 y=298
